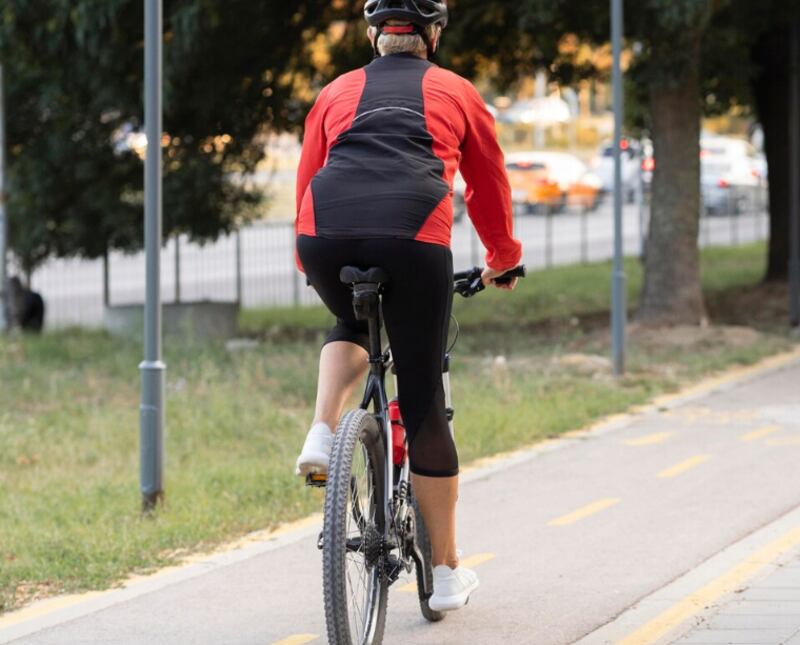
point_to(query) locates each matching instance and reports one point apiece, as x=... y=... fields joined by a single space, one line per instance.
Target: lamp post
x=618 y=309
x=794 y=178
x=152 y=368
x=4 y=321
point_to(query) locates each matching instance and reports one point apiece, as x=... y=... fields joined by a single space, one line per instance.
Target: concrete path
x=766 y=613
x=624 y=534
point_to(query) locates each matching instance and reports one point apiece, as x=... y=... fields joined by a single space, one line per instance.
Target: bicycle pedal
x=317 y=480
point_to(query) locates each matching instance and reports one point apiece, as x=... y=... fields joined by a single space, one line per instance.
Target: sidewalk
x=766 y=613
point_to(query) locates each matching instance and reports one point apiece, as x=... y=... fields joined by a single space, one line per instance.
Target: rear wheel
x=354 y=585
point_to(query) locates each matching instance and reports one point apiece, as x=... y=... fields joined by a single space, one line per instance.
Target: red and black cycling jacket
x=382 y=146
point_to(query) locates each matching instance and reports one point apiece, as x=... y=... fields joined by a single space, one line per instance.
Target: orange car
x=583 y=194
x=532 y=186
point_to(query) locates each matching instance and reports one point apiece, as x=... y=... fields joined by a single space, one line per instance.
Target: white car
x=603 y=166
x=731 y=175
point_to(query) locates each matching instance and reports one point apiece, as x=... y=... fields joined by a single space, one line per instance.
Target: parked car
x=731 y=175
x=576 y=185
x=603 y=166
x=532 y=187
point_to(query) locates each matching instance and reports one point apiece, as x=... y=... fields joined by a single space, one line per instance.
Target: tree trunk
x=671 y=293
x=771 y=92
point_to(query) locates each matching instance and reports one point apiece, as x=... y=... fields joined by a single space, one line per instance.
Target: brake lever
x=467 y=289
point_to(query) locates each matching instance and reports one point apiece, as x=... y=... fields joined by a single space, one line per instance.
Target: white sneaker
x=316 y=451
x=451 y=587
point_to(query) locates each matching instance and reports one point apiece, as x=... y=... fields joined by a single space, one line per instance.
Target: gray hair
x=405 y=43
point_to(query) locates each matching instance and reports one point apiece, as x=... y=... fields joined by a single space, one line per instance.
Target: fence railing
x=255 y=266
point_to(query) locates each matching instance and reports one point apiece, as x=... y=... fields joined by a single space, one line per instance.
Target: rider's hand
x=489 y=275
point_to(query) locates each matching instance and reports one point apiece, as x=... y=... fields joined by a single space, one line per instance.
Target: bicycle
x=372 y=524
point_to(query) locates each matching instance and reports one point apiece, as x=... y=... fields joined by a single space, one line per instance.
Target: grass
x=69 y=500
x=556 y=294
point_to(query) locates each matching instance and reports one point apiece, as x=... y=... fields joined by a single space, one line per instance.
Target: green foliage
x=75 y=81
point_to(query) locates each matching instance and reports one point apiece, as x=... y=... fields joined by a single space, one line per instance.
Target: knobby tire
x=358 y=430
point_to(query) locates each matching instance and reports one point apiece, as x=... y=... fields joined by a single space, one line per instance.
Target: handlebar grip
x=508 y=276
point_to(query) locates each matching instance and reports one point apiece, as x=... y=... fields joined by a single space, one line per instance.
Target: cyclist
x=374 y=188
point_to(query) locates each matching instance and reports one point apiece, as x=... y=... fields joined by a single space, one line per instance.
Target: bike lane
x=566 y=537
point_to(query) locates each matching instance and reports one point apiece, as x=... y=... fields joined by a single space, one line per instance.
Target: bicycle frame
x=380 y=362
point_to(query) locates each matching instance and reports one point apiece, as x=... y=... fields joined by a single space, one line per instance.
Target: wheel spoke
x=358 y=516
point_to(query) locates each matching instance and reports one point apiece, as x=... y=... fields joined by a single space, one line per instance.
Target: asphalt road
x=566 y=538
x=73 y=289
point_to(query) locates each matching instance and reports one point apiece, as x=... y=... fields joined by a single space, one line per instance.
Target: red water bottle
x=398 y=433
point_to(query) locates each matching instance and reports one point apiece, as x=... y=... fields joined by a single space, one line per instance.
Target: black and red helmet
x=418 y=12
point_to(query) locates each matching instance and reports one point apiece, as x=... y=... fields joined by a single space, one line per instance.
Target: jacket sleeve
x=313 y=155
x=488 y=194
x=315 y=146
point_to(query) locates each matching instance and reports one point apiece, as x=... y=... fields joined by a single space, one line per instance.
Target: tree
x=770 y=51
x=746 y=63
x=75 y=79
x=670 y=70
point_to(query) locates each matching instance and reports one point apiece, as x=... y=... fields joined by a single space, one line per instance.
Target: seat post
x=375 y=349
x=366 y=305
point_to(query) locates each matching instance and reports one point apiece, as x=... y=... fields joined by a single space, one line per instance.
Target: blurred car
x=576 y=185
x=603 y=166
x=731 y=175
x=532 y=187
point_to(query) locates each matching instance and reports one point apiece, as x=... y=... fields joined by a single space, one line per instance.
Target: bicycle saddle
x=354 y=275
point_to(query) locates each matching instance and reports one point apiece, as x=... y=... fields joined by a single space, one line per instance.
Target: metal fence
x=256 y=268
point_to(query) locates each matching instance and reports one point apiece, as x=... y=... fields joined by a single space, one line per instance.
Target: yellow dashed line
x=694 y=603
x=649 y=440
x=784 y=441
x=760 y=433
x=297 y=639
x=682 y=467
x=585 y=511
x=471 y=562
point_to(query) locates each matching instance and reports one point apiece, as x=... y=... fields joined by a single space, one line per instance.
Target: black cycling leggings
x=416 y=312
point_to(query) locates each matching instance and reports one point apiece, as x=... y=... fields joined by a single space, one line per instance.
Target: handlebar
x=468 y=283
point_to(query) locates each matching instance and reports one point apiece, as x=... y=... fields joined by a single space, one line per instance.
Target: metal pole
x=239 y=266
x=584 y=236
x=152 y=368
x=548 y=237
x=4 y=309
x=540 y=93
x=296 y=276
x=640 y=207
x=177 y=268
x=794 y=181
x=106 y=280
x=618 y=313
